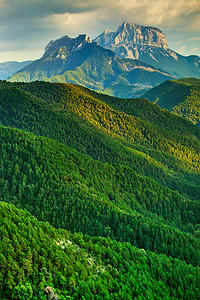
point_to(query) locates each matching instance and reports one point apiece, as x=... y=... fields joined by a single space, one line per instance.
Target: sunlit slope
x=181 y=97
x=72 y=115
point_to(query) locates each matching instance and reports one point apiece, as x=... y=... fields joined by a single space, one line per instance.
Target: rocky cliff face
x=71 y=44
x=148 y=44
x=130 y=39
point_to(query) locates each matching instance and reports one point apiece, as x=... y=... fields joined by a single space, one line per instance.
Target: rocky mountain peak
x=133 y=35
x=71 y=44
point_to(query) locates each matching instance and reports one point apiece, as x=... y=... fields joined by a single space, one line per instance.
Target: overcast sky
x=26 y=26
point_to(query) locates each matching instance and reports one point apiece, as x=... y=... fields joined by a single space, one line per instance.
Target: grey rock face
x=51 y=294
x=130 y=39
x=149 y=44
x=71 y=44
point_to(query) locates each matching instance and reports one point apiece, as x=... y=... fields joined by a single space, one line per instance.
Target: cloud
x=29 y=23
x=142 y=11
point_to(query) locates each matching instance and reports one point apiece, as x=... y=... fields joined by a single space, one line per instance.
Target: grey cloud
x=12 y=9
x=32 y=23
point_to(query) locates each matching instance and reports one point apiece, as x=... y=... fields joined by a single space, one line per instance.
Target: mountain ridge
x=66 y=113
x=8 y=68
x=149 y=44
x=81 y=62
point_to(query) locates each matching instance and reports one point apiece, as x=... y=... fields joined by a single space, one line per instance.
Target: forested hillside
x=182 y=97
x=72 y=191
x=79 y=118
x=36 y=257
x=114 y=174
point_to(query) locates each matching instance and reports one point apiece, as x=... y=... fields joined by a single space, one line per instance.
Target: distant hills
x=149 y=44
x=181 y=97
x=10 y=67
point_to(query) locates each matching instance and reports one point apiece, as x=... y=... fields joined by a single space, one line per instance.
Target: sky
x=26 y=26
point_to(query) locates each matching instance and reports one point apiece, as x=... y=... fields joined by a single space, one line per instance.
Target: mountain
x=10 y=67
x=149 y=44
x=182 y=97
x=77 y=60
x=100 y=198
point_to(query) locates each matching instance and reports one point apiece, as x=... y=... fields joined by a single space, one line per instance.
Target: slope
x=35 y=257
x=182 y=97
x=75 y=192
x=73 y=115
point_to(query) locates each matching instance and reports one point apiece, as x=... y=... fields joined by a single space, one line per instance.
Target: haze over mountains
x=10 y=67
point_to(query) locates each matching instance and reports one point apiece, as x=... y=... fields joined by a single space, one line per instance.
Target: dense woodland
x=171 y=157
x=119 y=185
x=34 y=255
x=182 y=97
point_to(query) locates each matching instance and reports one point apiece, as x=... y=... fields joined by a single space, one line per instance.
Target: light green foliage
x=23 y=291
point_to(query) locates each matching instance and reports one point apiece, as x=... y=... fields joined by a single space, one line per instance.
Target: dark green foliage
x=34 y=255
x=171 y=157
x=182 y=97
x=116 y=193
x=73 y=191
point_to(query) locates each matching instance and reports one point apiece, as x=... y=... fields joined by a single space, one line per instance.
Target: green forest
x=182 y=97
x=99 y=196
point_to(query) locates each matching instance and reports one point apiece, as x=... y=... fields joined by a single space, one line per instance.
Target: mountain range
x=125 y=63
x=100 y=194
x=78 y=60
x=149 y=44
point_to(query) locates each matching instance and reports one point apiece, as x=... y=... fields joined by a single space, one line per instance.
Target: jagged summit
x=129 y=37
x=82 y=61
x=142 y=35
x=71 y=44
x=149 y=45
